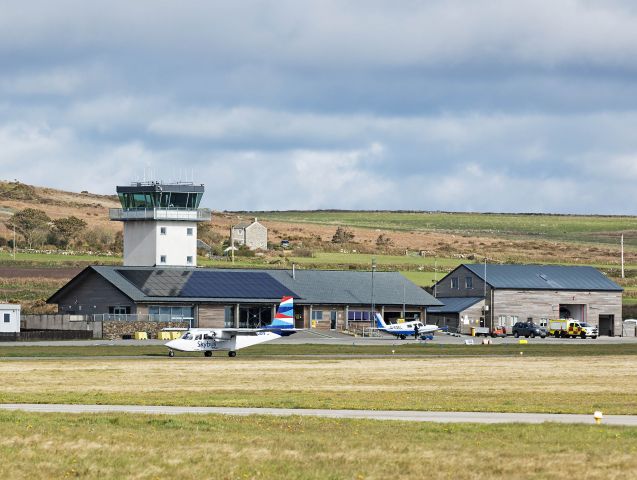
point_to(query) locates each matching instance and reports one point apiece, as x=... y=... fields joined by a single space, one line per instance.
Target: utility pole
x=14 y=242
x=232 y=244
x=622 y=243
x=372 y=320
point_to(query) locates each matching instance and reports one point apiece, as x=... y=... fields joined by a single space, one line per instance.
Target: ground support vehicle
x=487 y=332
x=569 y=328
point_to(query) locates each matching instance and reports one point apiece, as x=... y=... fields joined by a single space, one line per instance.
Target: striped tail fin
x=284 y=317
x=380 y=323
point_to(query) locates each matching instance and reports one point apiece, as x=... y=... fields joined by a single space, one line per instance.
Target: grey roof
x=329 y=287
x=544 y=277
x=454 y=304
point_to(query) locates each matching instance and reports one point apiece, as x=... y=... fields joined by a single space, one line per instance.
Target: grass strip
x=113 y=446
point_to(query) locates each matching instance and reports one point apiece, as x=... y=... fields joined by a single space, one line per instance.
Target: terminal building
x=159 y=279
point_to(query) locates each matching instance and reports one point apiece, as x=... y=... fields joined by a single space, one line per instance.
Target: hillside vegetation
x=421 y=245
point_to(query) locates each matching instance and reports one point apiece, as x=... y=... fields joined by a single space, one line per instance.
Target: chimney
x=255 y=219
x=294 y=271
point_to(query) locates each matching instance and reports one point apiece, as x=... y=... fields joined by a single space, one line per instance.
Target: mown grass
x=407 y=348
x=577 y=228
x=500 y=384
x=114 y=446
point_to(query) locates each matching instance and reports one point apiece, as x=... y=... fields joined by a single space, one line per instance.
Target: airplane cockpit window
x=208 y=336
x=198 y=337
x=187 y=336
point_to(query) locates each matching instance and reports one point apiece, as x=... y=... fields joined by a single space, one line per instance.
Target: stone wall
x=114 y=330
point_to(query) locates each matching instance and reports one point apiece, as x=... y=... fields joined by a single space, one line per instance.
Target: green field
x=537 y=381
x=572 y=228
x=114 y=446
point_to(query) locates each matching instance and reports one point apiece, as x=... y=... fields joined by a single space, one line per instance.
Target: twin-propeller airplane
x=208 y=340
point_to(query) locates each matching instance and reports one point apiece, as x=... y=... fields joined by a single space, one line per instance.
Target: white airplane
x=405 y=329
x=232 y=339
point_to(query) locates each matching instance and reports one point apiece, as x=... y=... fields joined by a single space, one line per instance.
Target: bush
x=303 y=252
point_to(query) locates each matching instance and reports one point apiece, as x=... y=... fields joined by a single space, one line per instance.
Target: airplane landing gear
x=232 y=354
x=208 y=353
x=171 y=353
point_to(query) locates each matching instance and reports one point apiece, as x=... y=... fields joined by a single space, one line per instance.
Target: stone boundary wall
x=116 y=330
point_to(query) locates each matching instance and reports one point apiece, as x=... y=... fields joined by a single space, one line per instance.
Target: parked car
x=528 y=329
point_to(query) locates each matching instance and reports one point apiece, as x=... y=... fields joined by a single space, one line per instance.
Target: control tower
x=160 y=223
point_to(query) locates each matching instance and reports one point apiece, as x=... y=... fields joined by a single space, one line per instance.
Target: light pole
x=372 y=320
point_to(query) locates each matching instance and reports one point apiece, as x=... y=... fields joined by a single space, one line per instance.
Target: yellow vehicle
x=569 y=328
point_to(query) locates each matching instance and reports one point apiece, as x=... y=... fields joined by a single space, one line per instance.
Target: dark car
x=528 y=330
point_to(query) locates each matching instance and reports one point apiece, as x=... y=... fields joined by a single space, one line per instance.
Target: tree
x=342 y=236
x=383 y=241
x=31 y=223
x=67 y=229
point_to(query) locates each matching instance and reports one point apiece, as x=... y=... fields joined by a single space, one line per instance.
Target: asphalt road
x=410 y=416
x=334 y=338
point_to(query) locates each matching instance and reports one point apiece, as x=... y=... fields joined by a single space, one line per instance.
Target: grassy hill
x=422 y=245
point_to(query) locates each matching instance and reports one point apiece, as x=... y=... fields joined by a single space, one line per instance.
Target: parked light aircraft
x=405 y=329
x=232 y=339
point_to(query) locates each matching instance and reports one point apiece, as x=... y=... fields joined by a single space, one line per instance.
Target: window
x=119 y=310
x=170 y=313
x=189 y=260
x=454 y=283
x=189 y=231
x=162 y=231
x=317 y=315
x=7 y=317
x=162 y=259
x=358 y=316
x=468 y=283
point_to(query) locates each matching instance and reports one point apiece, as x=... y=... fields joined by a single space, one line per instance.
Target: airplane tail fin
x=284 y=317
x=380 y=323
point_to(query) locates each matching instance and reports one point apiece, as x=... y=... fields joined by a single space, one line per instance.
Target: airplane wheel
x=232 y=354
x=402 y=337
x=208 y=353
x=171 y=353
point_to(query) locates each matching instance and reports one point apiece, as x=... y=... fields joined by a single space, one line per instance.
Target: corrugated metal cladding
x=544 y=277
x=454 y=304
x=306 y=286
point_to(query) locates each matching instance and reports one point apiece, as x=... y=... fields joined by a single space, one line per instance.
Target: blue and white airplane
x=208 y=340
x=405 y=329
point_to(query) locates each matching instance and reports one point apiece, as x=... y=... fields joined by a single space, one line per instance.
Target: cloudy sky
x=521 y=106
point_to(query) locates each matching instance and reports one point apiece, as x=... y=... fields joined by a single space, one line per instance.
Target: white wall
x=176 y=244
x=139 y=244
x=13 y=312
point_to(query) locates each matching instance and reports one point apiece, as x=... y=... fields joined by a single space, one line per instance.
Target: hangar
x=512 y=293
x=324 y=299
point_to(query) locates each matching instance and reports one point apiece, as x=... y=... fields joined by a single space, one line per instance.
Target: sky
x=477 y=106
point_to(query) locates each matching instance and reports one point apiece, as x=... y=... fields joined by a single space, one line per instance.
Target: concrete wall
x=144 y=244
x=140 y=248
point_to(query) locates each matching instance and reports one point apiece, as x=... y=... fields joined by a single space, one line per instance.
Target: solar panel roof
x=208 y=284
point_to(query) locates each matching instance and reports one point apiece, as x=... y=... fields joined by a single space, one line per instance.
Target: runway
x=409 y=416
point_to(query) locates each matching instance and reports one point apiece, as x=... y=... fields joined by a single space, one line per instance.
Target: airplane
x=405 y=329
x=232 y=339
